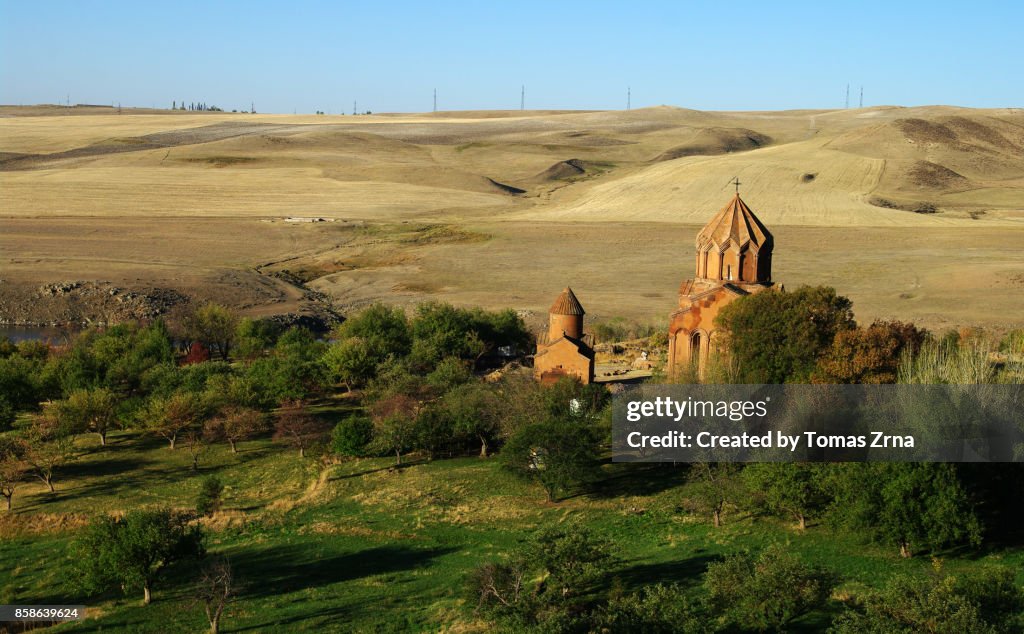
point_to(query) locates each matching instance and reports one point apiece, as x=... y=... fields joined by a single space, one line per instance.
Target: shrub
x=352 y=435
x=210 y=496
x=767 y=591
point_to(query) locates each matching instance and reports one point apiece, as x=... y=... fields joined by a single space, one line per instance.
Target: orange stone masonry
x=564 y=350
x=734 y=258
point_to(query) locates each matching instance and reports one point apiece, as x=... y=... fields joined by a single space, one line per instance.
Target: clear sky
x=390 y=56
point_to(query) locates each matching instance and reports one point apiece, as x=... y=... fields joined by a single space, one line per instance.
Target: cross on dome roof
x=735 y=223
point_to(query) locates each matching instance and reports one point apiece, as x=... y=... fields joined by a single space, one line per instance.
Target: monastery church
x=734 y=259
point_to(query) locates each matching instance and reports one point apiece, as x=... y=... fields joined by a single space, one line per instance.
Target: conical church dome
x=735 y=246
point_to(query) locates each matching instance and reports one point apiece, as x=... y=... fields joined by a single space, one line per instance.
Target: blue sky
x=307 y=56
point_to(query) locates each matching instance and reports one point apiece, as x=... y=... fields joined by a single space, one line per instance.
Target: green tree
x=768 y=591
x=909 y=505
x=350 y=362
x=48 y=446
x=383 y=331
x=210 y=497
x=20 y=387
x=986 y=602
x=134 y=551
x=255 y=336
x=797 y=490
x=558 y=453
x=657 y=609
x=713 y=485
x=777 y=337
x=352 y=435
x=215 y=326
x=170 y=416
x=13 y=467
x=472 y=409
x=87 y=410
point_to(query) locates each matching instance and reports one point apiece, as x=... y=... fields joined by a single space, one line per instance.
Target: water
x=34 y=333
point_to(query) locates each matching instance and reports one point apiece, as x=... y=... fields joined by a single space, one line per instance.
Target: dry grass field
x=914 y=213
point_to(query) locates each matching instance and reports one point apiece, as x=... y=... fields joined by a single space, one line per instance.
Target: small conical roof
x=735 y=223
x=566 y=304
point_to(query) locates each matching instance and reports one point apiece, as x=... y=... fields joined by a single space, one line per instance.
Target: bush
x=768 y=591
x=210 y=496
x=986 y=602
x=657 y=609
x=352 y=436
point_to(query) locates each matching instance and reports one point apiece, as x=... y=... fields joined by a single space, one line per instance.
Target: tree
x=350 y=362
x=794 y=489
x=215 y=326
x=196 y=447
x=472 y=409
x=297 y=428
x=910 y=505
x=559 y=453
x=548 y=580
x=48 y=445
x=767 y=591
x=20 y=387
x=88 y=410
x=352 y=435
x=383 y=330
x=985 y=602
x=712 y=486
x=777 y=337
x=869 y=355
x=134 y=551
x=209 y=499
x=169 y=416
x=215 y=590
x=394 y=432
x=235 y=424
x=13 y=467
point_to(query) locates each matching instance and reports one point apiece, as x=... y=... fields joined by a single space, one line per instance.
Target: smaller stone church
x=734 y=258
x=564 y=350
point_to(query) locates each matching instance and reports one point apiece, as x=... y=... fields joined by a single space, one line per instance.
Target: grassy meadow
x=364 y=547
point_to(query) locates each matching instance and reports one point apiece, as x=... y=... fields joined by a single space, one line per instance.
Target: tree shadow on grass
x=686 y=572
x=390 y=467
x=277 y=571
x=638 y=479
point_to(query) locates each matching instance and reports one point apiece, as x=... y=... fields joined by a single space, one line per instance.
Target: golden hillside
x=861 y=167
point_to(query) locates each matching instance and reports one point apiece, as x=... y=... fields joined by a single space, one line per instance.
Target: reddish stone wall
x=563 y=357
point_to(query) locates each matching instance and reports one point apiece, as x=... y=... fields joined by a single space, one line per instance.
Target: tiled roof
x=735 y=223
x=566 y=304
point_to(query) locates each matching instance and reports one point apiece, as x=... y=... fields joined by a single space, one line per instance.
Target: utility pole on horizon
x=522 y=98
x=435 y=100
x=628 y=97
x=861 y=97
x=847 y=96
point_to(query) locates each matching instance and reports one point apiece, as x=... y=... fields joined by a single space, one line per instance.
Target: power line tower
x=628 y=98
x=847 y=96
x=353 y=106
x=522 y=98
x=861 y=97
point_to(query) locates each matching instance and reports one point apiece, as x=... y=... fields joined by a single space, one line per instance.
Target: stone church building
x=734 y=258
x=564 y=350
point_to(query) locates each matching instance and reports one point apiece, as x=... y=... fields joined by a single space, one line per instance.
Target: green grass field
x=366 y=547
